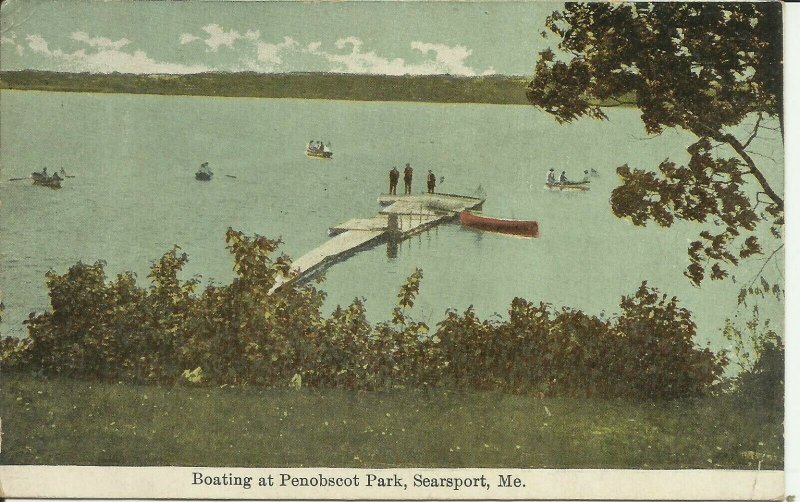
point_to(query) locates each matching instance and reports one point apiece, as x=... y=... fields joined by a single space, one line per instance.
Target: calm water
x=134 y=196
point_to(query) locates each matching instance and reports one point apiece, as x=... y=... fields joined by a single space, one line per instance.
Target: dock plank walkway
x=400 y=217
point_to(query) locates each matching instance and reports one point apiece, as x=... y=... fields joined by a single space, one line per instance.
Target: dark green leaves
x=703 y=67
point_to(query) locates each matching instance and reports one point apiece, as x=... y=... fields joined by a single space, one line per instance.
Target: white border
x=165 y=482
x=792 y=190
x=533 y=484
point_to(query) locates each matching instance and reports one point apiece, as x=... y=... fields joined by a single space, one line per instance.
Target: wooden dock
x=400 y=217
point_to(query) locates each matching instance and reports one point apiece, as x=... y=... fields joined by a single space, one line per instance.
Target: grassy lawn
x=88 y=423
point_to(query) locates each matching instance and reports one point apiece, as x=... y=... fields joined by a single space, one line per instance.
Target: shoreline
x=425 y=89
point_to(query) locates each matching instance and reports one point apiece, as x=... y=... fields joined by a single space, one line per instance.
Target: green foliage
x=705 y=67
x=760 y=354
x=245 y=334
x=647 y=352
x=405 y=298
x=662 y=334
x=122 y=424
x=499 y=89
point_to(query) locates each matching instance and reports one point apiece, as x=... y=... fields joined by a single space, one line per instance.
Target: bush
x=760 y=353
x=658 y=355
x=244 y=334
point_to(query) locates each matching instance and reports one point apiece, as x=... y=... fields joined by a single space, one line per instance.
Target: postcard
x=392 y=250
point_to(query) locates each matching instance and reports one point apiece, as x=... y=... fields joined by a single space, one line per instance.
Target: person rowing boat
x=319 y=149
x=44 y=179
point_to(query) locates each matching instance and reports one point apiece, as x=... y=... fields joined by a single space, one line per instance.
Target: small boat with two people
x=564 y=183
x=204 y=174
x=319 y=150
x=522 y=228
x=46 y=180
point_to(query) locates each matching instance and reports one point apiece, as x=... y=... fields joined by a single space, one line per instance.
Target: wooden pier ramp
x=401 y=216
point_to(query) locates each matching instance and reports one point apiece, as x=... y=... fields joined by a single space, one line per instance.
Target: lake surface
x=134 y=196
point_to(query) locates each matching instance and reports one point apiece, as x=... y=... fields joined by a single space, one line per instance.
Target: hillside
x=426 y=88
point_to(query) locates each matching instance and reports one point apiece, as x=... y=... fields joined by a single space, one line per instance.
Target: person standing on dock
x=394 y=177
x=431 y=181
x=408 y=174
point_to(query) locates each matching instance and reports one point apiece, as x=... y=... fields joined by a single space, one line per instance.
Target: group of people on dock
x=408 y=176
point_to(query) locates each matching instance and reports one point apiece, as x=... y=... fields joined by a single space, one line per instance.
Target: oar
x=230 y=176
x=19 y=179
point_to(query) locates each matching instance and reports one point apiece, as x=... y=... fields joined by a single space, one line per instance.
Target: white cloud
x=100 y=42
x=351 y=40
x=257 y=54
x=10 y=40
x=217 y=36
x=106 y=59
x=188 y=38
x=357 y=61
x=446 y=59
x=37 y=44
x=247 y=50
x=350 y=56
x=271 y=53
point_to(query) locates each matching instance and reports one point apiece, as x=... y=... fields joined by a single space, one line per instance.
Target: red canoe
x=525 y=228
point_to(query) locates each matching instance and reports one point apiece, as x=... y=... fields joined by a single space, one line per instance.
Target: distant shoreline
x=334 y=86
x=492 y=89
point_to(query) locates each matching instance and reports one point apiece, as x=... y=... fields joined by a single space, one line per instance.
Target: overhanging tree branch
x=702 y=130
x=740 y=149
x=700 y=66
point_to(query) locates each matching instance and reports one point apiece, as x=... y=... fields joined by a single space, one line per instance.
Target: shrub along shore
x=239 y=334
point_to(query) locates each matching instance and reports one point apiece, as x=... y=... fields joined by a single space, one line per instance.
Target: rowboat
x=44 y=180
x=319 y=154
x=204 y=174
x=581 y=186
x=525 y=228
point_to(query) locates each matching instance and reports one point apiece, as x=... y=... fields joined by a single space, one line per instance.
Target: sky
x=380 y=37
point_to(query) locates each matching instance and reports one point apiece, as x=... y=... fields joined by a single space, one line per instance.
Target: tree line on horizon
x=496 y=89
